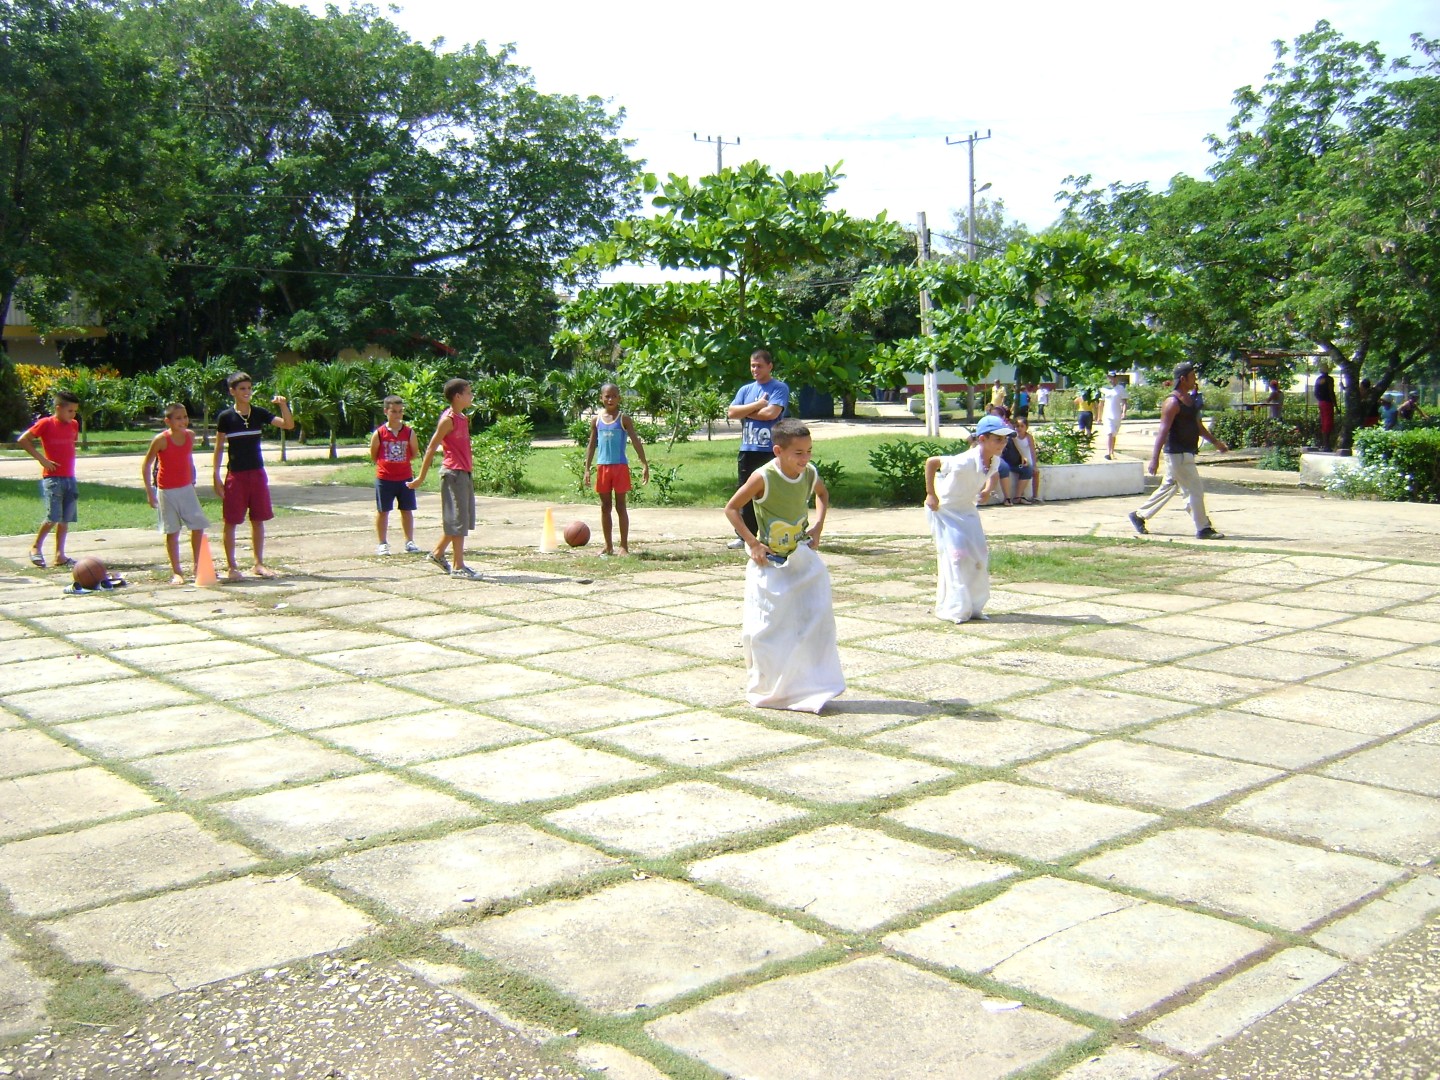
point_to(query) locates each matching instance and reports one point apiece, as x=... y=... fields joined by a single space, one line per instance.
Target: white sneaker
x=382 y=549
x=412 y=548
x=736 y=544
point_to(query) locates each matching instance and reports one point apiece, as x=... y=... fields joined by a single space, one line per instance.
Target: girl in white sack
x=954 y=486
x=792 y=659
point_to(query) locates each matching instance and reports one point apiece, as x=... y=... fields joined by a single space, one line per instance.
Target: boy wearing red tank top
x=392 y=447
x=168 y=473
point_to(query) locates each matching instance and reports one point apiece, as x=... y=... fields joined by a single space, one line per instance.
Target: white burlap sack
x=788 y=634
x=963 y=564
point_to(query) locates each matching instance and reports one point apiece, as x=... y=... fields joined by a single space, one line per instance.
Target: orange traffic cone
x=548 y=542
x=205 y=566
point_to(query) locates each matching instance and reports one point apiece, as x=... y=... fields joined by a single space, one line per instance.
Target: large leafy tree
x=351 y=186
x=755 y=226
x=1318 y=229
x=1061 y=302
x=84 y=180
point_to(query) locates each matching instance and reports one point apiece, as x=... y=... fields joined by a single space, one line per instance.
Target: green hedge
x=1415 y=453
x=1253 y=427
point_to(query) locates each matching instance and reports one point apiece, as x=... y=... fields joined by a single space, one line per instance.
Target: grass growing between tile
x=81 y=994
x=1087 y=561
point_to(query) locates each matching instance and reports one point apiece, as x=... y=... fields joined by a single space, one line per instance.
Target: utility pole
x=932 y=377
x=720 y=144
x=970 y=141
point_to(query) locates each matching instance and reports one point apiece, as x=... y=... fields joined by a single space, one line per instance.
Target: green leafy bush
x=831 y=472
x=1413 y=454
x=901 y=466
x=1365 y=481
x=1061 y=445
x=14 y=405
x=1145 y=398
x=661 y=489
x=1237 y=428
x=579 y=431
x=1280 y=459
x=499 y=454
x=648 y=430
x=575 y=465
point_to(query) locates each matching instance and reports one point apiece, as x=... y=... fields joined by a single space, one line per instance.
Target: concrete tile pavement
x=987 y=858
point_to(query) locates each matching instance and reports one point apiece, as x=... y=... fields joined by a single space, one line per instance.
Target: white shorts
x=1110 y=425
x=181 y=507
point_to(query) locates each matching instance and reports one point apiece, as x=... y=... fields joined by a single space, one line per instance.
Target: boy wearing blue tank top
x=609 y=428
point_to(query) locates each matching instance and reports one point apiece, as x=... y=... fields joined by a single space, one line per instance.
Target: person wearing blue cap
x=954 y=487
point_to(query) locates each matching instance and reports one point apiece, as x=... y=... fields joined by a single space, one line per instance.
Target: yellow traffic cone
x=205 y=566
x=548 y=542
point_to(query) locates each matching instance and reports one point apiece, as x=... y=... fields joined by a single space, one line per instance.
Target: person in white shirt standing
x=1114 y=401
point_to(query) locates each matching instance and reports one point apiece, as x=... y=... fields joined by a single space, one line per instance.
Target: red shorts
x=1327 y=416
x=610 y=478
x=247 y=491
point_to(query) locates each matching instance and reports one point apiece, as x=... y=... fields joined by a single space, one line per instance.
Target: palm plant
x=334 y=394
x=95 y=393
x=198 y=383
x=506 y=394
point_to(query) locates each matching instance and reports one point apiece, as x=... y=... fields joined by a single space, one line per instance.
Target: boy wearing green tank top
x=787 y=631
x=781 y=491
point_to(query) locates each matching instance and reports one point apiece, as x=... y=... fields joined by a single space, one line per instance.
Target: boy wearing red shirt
x=392 y=447
x=457 y=488
x=57 y=434
x=168 y=473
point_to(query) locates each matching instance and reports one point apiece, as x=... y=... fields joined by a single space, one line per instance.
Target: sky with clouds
x=1125 y=90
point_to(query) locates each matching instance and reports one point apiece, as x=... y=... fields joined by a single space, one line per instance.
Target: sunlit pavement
x=1100 y=835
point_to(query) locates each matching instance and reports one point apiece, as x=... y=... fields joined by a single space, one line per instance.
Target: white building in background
x=26 y=344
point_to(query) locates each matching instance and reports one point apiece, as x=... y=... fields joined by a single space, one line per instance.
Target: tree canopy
x=760 y=228
x=1318 y=228
x=329 y=182
x=1063 y=301
x=84 y=188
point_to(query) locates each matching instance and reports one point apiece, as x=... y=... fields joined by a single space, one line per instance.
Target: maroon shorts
x=1327 y=416
x=610 y=478
x=247 y=491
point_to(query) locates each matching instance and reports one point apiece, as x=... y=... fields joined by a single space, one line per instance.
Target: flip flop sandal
x=66 y=561
x=37 y=559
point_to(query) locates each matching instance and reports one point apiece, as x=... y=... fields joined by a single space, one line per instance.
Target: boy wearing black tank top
x=1181 y=428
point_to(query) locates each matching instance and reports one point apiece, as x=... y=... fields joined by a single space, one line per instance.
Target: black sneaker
x=1139 y=523
x=1208 y=533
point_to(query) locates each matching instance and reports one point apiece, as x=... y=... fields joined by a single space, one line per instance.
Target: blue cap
x=993 y=425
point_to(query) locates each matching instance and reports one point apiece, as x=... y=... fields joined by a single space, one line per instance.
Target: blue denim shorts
x=60 y=495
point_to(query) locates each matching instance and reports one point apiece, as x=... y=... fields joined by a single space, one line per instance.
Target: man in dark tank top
x=1181 y=429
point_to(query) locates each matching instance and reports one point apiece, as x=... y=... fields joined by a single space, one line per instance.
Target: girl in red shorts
x=609 y=429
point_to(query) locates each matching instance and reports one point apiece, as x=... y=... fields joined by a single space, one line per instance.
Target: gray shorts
x=457 y=503
x=60 y=494
x=180 y=507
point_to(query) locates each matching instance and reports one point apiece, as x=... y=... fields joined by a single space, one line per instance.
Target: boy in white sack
x=954 y=486
x=788 y=628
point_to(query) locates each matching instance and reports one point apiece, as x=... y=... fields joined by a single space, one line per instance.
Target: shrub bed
x=1413 y=455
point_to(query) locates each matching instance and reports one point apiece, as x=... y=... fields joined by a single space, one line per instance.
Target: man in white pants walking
x=1115 y=400
x=1179 y=437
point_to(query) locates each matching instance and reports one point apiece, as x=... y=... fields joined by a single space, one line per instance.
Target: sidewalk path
x=1098 y=836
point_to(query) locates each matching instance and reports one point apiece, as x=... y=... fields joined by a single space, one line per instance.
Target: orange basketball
x=89 y=572
x=577 y=534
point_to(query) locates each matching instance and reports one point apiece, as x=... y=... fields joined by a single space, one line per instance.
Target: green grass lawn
x=101 y=507
x=704 y=472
